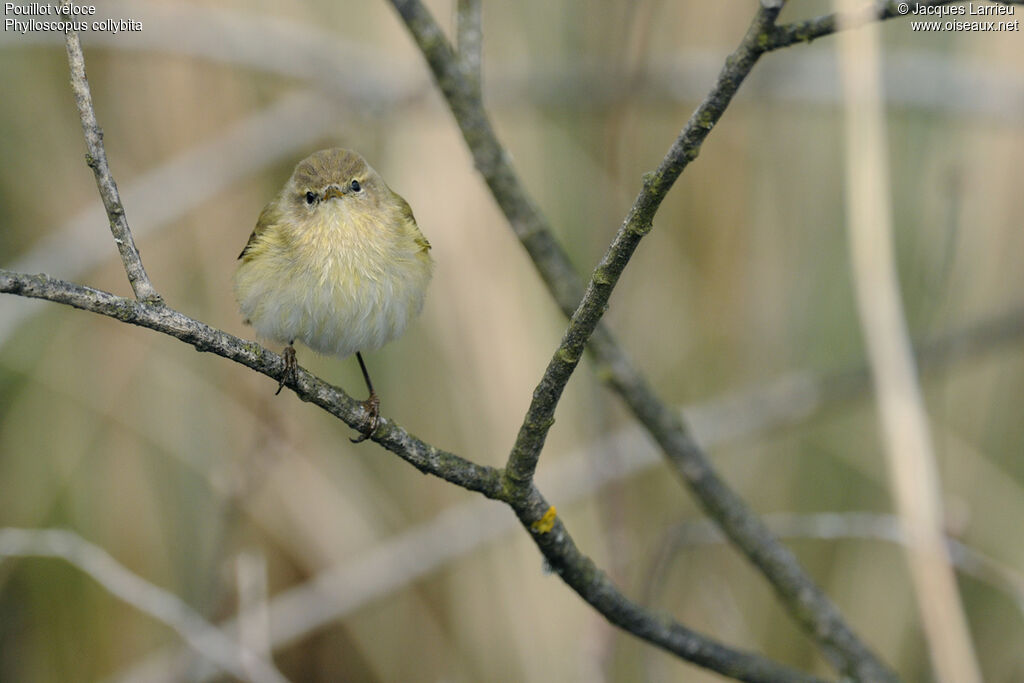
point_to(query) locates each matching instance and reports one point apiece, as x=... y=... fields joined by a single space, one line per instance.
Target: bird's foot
x=372 y=408
x=291 y=369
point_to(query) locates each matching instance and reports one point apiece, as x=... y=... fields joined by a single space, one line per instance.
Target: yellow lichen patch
x=547 y=522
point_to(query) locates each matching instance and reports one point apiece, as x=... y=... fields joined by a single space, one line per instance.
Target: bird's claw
x=372 y=407
x=291 y=369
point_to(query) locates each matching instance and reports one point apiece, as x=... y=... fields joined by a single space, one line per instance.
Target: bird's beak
x=333 y=191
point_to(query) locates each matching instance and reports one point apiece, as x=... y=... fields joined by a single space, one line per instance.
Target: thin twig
x=202 y=636
x=97 y=161
x=491 y=159
x=522 y=461
x=281 y=131
x=807 y=603
x=557 y=546
x=807 y=30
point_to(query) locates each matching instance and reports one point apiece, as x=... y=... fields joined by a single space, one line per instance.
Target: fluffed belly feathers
x=335 y=297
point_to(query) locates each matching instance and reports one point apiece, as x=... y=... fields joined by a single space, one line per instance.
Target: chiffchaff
x=337 y=262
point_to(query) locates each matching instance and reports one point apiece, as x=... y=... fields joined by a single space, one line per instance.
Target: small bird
x=337 y=262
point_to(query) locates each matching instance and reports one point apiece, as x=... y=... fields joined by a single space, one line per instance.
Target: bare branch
x=752 y=413
x=561 y=552
x=523 y=460
x=201 y=635
x=424 y=457
x=491 y=159
x=575 y=568
x=811 y=606
x=594 y=586
x=811 y=29
x=806 y=602
x=97 y=161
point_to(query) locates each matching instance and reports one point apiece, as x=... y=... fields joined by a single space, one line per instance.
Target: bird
x=337 y=262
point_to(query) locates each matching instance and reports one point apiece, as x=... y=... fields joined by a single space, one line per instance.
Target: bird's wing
x=269 y=216
x=405 y=211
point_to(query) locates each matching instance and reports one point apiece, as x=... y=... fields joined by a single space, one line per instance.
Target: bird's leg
x=291 y=368
x=370 y=405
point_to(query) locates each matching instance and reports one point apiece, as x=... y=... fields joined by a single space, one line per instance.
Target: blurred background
x=738 y=306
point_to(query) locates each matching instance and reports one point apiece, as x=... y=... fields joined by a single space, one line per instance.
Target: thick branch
x=576 y=569
x=469 y=41
x=801 y=596
x=97 y=160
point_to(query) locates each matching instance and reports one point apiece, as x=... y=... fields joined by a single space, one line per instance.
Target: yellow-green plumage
x=336 y=260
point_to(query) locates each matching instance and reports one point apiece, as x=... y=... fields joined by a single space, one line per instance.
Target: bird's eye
x=310 y=198
x=356 y=187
